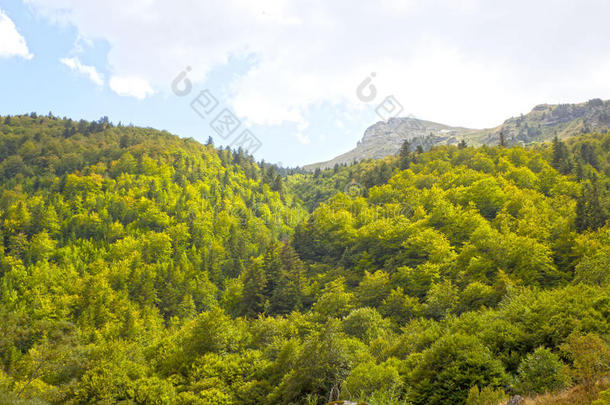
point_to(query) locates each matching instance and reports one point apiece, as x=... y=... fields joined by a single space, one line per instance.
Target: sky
x=298 y=82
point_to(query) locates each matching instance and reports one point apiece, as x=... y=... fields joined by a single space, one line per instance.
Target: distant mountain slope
x=541 y=124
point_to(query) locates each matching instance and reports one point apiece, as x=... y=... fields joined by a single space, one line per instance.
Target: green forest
x=138 y=267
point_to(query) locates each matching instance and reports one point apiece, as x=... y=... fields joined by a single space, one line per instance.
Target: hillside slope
x=539 y=125
x=141 y=268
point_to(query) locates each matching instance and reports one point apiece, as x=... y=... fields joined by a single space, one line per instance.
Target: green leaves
x=144 y=268
x=446 y=371
x=542 y=371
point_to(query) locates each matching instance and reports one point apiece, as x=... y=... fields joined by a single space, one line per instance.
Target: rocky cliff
x=541 y=124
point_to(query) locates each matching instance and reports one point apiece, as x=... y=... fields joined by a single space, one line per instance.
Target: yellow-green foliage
x=138 y=267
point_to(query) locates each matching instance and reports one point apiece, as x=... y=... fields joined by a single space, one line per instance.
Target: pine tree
x=588 y=155
x=272 y=264
x=405 y=148
x=561 y=157
x=405 y=155
x=276 y=185
x=589 y=213
x=253 y=300
x=580 y=173
x=288 y=294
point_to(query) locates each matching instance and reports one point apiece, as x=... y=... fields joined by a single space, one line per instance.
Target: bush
x=368 y=378
x=604 y=398
x=477 y=295
x=365 y=324
x=590 y=356
x=542 y=371
x=486 y=396
x=445 y=372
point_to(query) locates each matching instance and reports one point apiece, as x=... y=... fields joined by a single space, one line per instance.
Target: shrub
x=542 y=371
x=486 y=396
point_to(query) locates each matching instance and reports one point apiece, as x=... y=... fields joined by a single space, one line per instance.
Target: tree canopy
x=141 y=268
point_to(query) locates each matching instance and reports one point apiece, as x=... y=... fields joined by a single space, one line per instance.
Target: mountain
x=137 y=267
x=541 y=124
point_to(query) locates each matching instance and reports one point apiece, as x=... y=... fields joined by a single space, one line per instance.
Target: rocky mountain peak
x=542 y=123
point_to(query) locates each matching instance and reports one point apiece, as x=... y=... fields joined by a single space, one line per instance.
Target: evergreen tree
x=589 y=213
x=588 y=155
x=255 y=281
x=405 y=155
x=561 y=157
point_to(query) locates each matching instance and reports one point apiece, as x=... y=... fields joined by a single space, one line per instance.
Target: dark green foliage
x=561 y=157
x=405 y=155
x=589 y=211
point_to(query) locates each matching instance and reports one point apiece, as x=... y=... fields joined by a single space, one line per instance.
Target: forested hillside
x=141 y=268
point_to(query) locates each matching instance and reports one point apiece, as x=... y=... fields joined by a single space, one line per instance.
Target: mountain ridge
x=541 y=124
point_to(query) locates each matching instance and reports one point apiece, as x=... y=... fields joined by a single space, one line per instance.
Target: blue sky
x=289 y=70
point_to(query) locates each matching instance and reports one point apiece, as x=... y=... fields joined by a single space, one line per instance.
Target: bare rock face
x=386 y=137
x=544 y=122
x=396 y=130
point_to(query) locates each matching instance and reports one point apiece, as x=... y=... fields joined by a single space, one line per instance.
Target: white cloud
x=470 y=62
x=304 y=139
x=11 y=42
x=131 y=86
x=89 y=71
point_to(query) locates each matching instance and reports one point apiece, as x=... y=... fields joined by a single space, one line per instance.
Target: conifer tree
x=405 y=155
